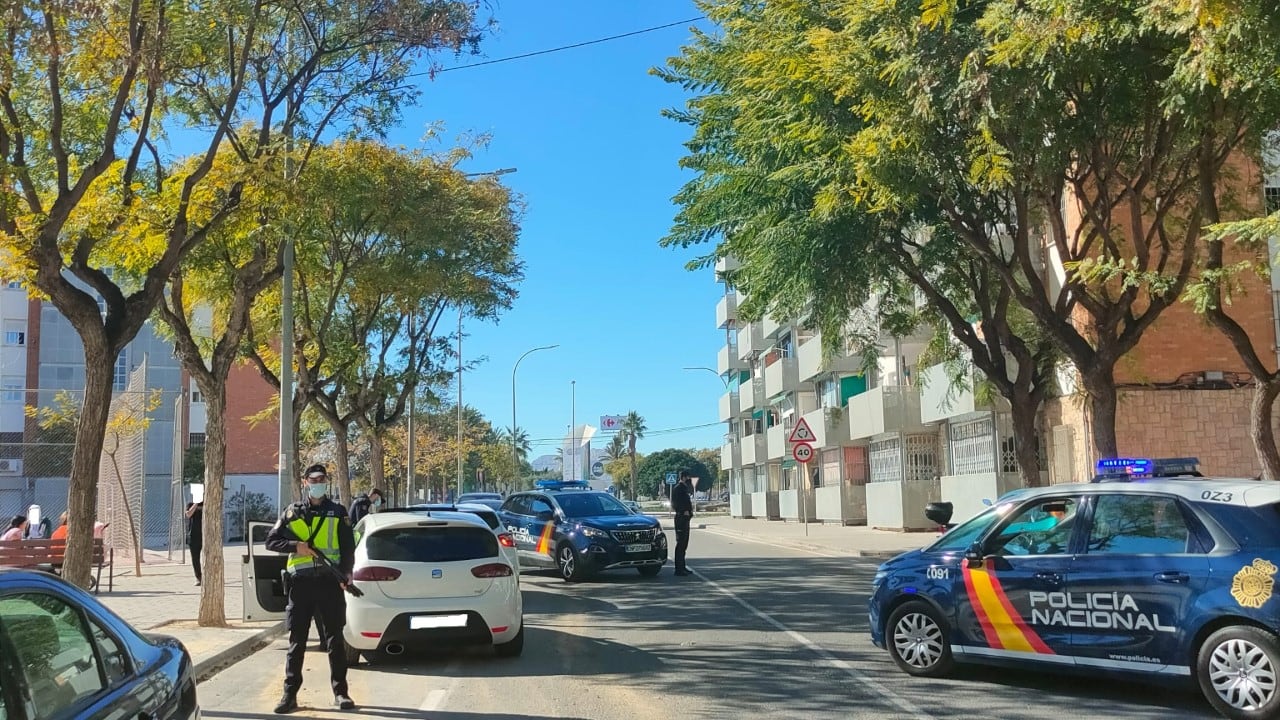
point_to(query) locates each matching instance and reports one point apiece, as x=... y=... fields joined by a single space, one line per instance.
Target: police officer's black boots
x=288 y=703
x=343 y=702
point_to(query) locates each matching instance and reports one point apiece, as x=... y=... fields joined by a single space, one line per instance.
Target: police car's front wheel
x=917 y=640
x=1238 y=669
x=567 y=561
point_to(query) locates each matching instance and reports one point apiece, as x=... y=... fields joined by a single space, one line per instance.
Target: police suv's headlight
x=660 y=539
x=878 y=580
x=593 y=532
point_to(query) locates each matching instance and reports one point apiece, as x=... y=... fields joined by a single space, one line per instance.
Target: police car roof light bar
x=561 y=484
x=1126 y=468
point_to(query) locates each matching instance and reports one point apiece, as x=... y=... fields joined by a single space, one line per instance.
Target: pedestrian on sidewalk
x=364 y=504
x=682 y=506
x=195 y=535
x=61 y=532
x=17 y=527
x=317 y=525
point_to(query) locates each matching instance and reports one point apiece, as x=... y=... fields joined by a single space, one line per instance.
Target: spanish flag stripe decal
x=544 y=541
x=1003 y=627
x=1027 y=633
x=993 y=640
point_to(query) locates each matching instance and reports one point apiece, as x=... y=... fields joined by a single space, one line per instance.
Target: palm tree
x=634 y=427
x=617 y=447
x=520 y=438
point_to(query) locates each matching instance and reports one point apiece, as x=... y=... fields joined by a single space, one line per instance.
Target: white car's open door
x=260 y=573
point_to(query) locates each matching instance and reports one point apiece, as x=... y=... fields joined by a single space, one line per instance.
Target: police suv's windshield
x=591 y=505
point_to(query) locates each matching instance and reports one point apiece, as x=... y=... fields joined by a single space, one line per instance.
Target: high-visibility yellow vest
x=326 y=541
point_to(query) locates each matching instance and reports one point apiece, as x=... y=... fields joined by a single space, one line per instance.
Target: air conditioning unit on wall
x=10 y=466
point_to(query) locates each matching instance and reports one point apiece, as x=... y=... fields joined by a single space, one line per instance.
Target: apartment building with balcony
x=894 y=436
x=41 y=356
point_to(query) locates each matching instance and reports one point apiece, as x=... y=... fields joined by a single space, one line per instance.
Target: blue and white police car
x=1149 y=569
x=579 y=531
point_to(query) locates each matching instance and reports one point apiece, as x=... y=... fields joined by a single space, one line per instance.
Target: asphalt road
x=758 y=632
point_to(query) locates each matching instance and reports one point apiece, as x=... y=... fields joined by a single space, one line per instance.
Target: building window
x=195 y=439
x=15 y=337
x=1271 y=198
x=11 y=391
x=14 y=285
x=196 y=397
x=121 y=378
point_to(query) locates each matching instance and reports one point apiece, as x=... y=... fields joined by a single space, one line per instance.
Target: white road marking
x=437 y=698
x=774 y=545
x=858 y=676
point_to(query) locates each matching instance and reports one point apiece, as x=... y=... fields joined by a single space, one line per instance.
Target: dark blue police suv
x=579 y=531
x=1150 y=570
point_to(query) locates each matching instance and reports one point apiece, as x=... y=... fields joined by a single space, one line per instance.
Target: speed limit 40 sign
x=802 y=452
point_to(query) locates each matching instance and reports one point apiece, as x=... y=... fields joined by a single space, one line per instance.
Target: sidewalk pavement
x=165 y=600
x=853 y=540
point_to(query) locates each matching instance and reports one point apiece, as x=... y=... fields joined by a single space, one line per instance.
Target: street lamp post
x=713 y=372
x=515 y=463
x=573 y=425
x=459 y=489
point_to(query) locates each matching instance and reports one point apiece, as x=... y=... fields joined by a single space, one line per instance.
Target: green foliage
x=193 y=465
x=652 y=472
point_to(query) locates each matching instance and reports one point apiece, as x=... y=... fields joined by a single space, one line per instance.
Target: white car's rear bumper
x=375 y=620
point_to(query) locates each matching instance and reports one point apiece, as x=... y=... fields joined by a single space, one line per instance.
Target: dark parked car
x=66 y=655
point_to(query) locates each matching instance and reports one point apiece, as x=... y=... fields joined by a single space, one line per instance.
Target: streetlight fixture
x=515 y=463
x=491 y=173
x=713 y=372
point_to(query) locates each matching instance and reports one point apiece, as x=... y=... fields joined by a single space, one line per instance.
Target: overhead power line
x=561 y=48
x=610 y=434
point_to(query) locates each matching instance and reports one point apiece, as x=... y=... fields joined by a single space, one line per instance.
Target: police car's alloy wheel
x=567 y=561
x=917 y=640
x=1239 y=670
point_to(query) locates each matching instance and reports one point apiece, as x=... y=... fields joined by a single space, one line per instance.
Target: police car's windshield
x=579 y=505
x=963 y=536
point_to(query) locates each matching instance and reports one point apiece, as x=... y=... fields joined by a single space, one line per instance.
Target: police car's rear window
x=488 y=517
x=432 y=544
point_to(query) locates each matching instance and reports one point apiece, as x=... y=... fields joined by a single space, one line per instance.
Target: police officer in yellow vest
x=314 y=591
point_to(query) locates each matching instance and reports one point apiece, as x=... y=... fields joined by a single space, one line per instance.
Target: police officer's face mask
x=316 y=487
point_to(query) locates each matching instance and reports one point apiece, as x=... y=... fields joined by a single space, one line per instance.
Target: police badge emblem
x=1252 y=586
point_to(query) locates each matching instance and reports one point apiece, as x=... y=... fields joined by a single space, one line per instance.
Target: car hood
x=907 y=558
x=622 y=522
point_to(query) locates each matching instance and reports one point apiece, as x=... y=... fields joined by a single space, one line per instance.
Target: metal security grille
x=921 y=458
x=886 y=460
x=633 y=536
x=972 y=446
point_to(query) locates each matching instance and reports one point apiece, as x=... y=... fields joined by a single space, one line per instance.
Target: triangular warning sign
x=802 y=433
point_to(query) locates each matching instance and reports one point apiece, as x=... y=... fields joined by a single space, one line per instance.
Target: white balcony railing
x=729 y=406
x=750 y=340
x=781 y=376
x=777 y=442
x=727 y=360
x=885 y=409
x=727 y=309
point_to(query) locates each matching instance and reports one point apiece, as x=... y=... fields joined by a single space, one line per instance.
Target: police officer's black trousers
x=682 y=539
x=320 y=596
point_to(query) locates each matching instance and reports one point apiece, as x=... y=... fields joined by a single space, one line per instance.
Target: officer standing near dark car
x=682 y=506
x=317 y=524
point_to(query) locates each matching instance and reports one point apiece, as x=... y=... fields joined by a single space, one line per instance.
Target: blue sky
x=597 y=165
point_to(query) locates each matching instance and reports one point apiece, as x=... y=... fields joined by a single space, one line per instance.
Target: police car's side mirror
x=974 y=556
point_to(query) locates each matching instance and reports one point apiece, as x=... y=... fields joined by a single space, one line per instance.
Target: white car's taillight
x=492 y=570
x=375 y=573
x=506 y=540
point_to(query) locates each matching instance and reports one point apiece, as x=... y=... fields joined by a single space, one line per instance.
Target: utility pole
x=573 y=425
x=287 y=484
x=459 y=488
x=410 y=475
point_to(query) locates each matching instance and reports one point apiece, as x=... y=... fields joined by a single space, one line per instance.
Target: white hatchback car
x=432 y=579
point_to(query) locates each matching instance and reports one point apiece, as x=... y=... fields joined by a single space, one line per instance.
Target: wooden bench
x=48 y=554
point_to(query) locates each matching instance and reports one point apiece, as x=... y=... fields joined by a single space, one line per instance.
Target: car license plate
x=427 y=622
x=641 y=547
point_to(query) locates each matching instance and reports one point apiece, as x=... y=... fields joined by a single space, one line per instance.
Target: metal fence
x=139 y=475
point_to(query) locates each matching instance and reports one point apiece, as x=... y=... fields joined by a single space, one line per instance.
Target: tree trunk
x=1101 y=387
x=633 y=475
x=1261 y=413
x=128 y=511
x=376 y=453
x=213 y=611
x=91 y=430
x=1023 y=408
x=342 y=457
